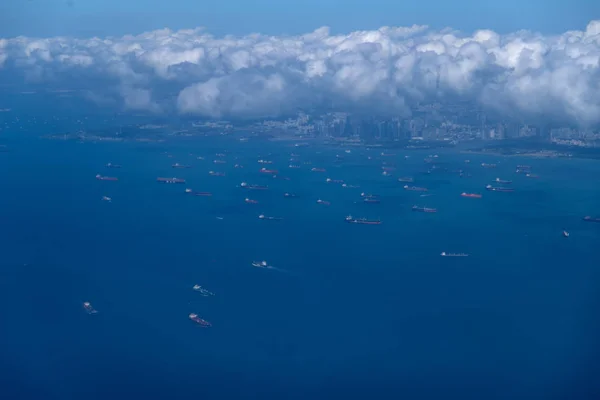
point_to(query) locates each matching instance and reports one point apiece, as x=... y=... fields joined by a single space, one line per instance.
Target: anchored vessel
x=194 y=193
x=362 y=221
x=106 y=178
x=424 y=209
x=253 y=187
x=170 y=180
x=415 y=188
x=499 y=189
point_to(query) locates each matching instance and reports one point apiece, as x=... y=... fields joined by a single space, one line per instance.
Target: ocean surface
x=352 y=311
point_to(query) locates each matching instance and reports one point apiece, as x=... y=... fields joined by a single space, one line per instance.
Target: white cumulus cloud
x=384 y=71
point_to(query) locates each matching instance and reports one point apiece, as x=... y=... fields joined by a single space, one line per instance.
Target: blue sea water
x=354 y=312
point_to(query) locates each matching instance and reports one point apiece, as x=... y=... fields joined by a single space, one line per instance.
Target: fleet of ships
x=497 y=185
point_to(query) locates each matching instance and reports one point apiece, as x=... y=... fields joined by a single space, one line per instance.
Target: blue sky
x=86 y=18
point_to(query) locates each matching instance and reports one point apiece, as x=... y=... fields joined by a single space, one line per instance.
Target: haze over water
x=359 y=311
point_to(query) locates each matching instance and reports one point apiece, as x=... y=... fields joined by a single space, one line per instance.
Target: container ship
x=415 y=188
x=591 y=219
x=194 y=193
x=293 y=166
x=213 y=173
x=502 y=181
x=406 y=179
x=318 y=169
x=268 y=171
x=471 y=195
x=170 y=180
x=362 y=221
x=177 y=165
x=253 y=187
x=202 y=322
x=106 y=178
x=265 y=162
x=499 y=189
x=111 y=165
x=88 y=308
x=424 y=209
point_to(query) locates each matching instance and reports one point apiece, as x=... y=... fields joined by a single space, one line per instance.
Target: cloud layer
x=385 y=71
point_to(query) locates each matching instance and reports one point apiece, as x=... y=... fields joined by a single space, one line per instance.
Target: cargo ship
x=268 y=171
x=523 y=166
x=194 y=193
x=344 y=185
x=387 y=154
x=565 y=234
x=444 y=254
x=290 y=195
x=318 y=169
x=250 y=201
x=498 y=180
x=485 y=165
x=238 y=166
x=406 y=179
x=424 y=209
x=388 y=169
x=106 y=198
x=499 y=189
x=415 y=188
x=220 y=155
x=177 y=165
x=253 y=187
x=219 y=162
x=202 y=322
x=325 y=203
x=329 y=180
x=170 y=180
x=88 y=308
x=106 y=178
x=591 y=219
x=362 y=221
x=213 y=173
x=265 y=162
x=471 y=195
x=111 y=165
x=202 y=291
x=531 y=175
x=293 y=166
x=266 y=218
